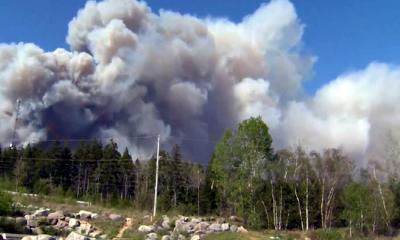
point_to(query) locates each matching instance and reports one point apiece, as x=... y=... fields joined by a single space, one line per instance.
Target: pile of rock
x=75 y=224
x=188 y=228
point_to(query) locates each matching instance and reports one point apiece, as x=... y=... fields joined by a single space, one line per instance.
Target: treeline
x=285 y=189
x=100 y=173
x=296 y=189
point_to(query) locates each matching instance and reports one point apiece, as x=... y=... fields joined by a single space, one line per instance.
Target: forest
x=269 y=189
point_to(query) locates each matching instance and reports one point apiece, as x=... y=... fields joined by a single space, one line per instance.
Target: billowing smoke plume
x=132 y=72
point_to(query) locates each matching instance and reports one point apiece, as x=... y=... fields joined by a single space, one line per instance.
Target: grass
x=108 y=227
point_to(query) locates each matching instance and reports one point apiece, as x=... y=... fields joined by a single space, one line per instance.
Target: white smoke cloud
x=132 y=72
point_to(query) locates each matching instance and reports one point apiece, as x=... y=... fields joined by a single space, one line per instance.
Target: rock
x=83 y=214
x=73 y=223
x=85 y=228
x=196 y=220
x=115 y=217
x=195 y=237
x=37 y=231
x=76 y=236
x=56 y=216
x=234 y=219
x=221 y=220
x=20 y=221
x=95 y=234
x=225 y=227
x=215 y=227
x=233 y=228
x=104 y=236
x=31 y=221
x=241 y=229
x=201 y=228
x=166 y=237
x=166 y=223
x=151 y=236
x=42 y=212
x=181 y=237
x=146 y=229
x=39 y=237
x=61 y=224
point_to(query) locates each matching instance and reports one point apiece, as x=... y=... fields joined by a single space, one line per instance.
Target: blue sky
x=345 y=35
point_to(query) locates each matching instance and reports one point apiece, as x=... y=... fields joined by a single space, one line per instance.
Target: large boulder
x=73 y=223
x=39 y=237
x=225 y=227
x=95 y=234
x=42 y=212
x=56 y=216
x=201 y=228
x=151 y=236
x=195 y=237
x=37 y=231
x=76 y=236
x=85 y=228
x=83 y=214
x=214 y=228
x=166 y=223
x=146 y=228
x=241 y=229
x=31 y=221
x=115 y=217
x=233 y=228
x=61 y=224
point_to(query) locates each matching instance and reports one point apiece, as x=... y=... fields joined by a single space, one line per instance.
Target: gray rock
x=195 y=237
x=166 y=223
x=215 y=227
x=56 y=215
x=85 y=228
x=77 y=236
x=241 y=229
x=37 y=231
x=95 y=234
x=115 y=217
x=151 y=236
x=39 y=237
x=181 y=237
x=145 y=229
x=166 y=237
x=42 y=212
x=201 y=228
x=225 y=227
x=31 y=221
x=233 y=228
x=73 y=223
x=83 y=214
x=61 y=224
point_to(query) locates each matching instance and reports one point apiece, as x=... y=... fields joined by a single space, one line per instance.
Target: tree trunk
x=299 y=208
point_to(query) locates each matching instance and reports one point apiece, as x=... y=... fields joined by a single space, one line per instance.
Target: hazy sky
x=344 y=35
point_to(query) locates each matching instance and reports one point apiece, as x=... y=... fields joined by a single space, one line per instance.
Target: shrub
x=5 y=204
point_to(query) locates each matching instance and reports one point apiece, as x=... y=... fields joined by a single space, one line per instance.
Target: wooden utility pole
x=156 y=185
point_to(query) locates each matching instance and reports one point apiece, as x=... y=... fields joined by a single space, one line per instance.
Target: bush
x=322 y=234
x=9 y=225
x=5 y=204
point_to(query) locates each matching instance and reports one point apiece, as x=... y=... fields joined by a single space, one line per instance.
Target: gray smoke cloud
x=132 y=72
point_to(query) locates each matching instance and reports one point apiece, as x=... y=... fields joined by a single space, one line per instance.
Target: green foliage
x=323 y=234
x=237 y=168
x=5 y=204
x=9 y=226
